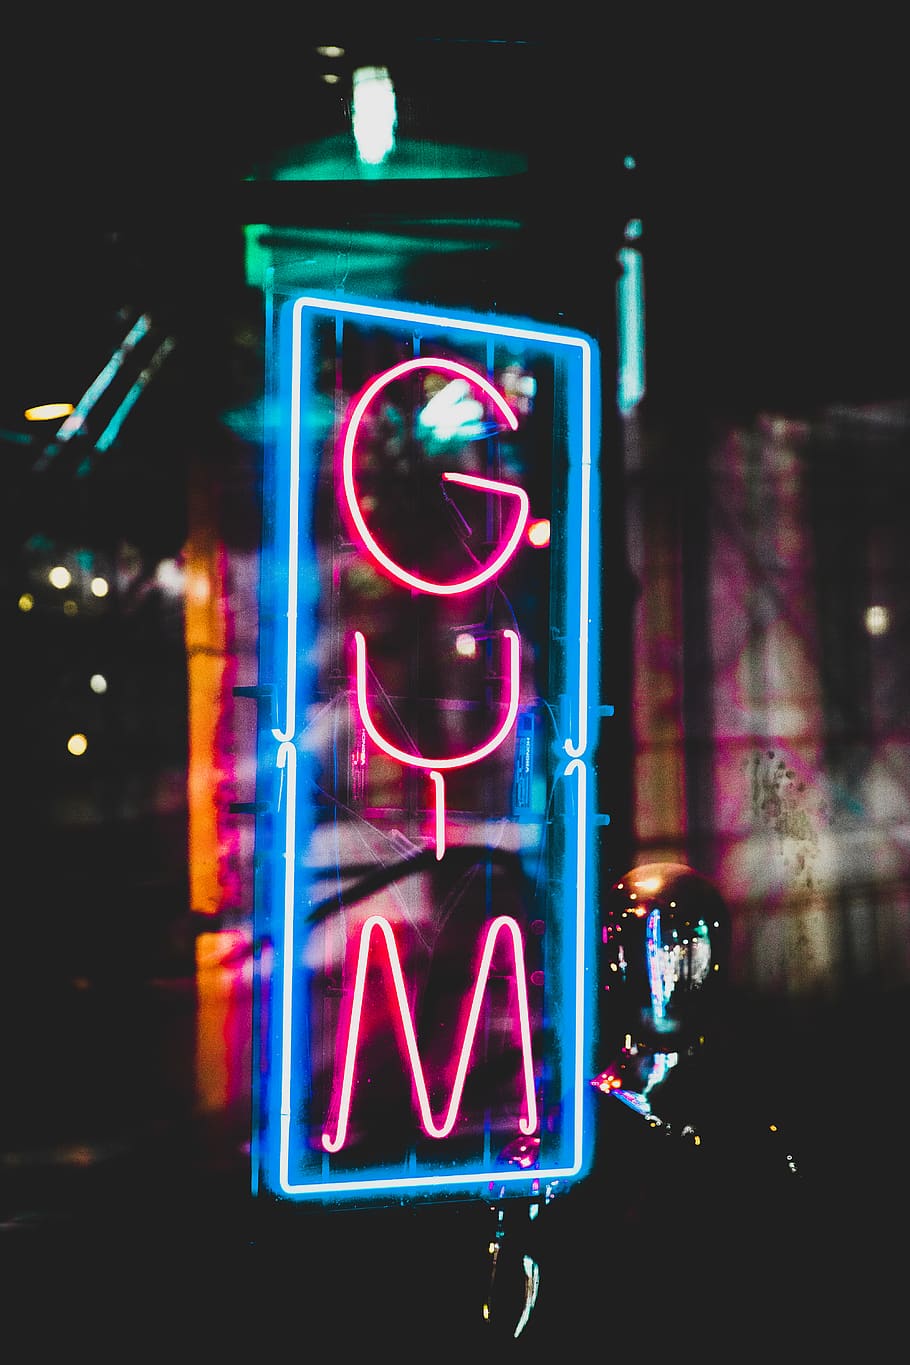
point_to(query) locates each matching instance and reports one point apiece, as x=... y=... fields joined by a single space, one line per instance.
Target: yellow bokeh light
x=100 y=587
x=465 y=645
x=77 y=744
x=26 y=602
x=60 y=576
x=877 y=620
x=47 y=412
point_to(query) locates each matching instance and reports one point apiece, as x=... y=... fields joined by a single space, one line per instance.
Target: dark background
x=770 y=166
x=770 y=181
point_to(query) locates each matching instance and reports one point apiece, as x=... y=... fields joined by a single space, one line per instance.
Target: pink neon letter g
x=506 y=548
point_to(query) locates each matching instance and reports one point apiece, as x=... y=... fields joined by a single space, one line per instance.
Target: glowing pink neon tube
x=504 y=924
x=417 y=760
x=439 y=801
x=507 y=547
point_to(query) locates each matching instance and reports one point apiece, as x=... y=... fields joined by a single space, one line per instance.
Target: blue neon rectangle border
x=582 y=575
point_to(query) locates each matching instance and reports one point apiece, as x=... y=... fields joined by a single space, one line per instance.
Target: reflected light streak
x=660 y=993
x=76 y=419
x=503 y=924
x=631 y=322
x=532 y=1285
x=110 y=432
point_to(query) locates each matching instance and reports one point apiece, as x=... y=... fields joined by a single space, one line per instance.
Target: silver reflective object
x=665 y=952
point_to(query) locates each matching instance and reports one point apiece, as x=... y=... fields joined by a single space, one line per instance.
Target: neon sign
x=425 y=867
